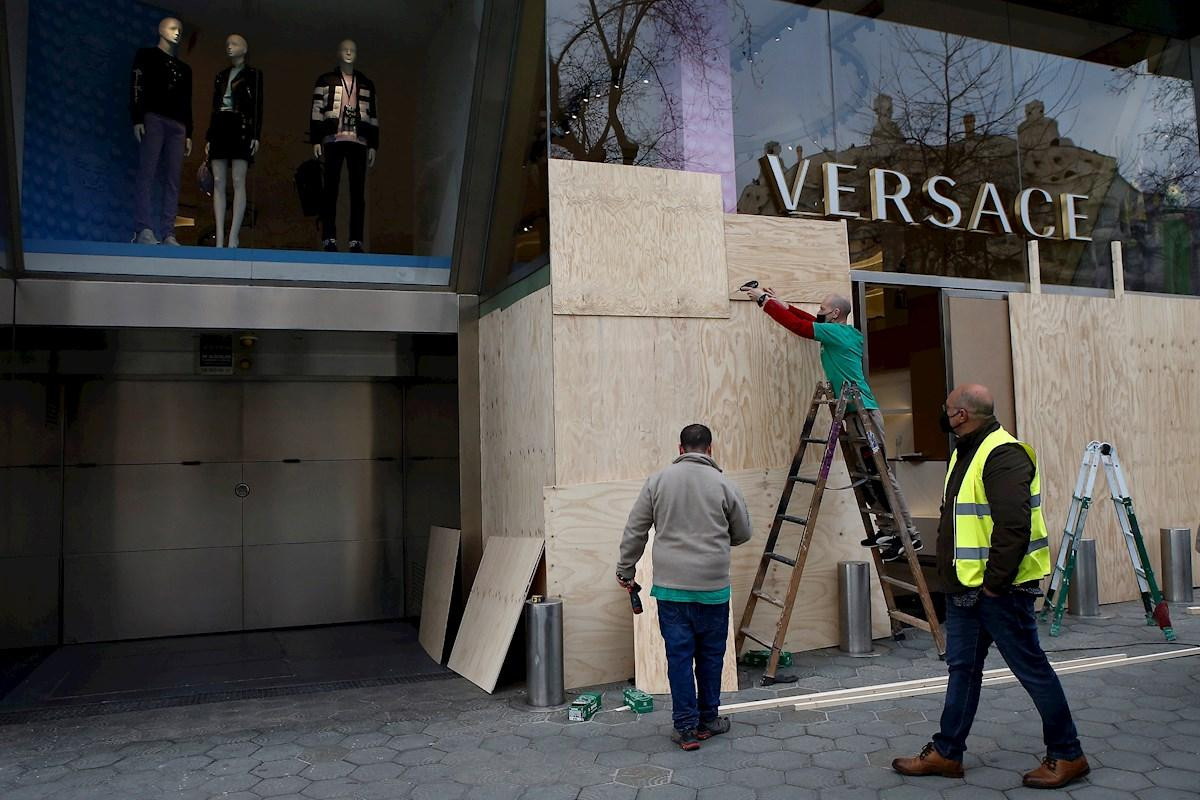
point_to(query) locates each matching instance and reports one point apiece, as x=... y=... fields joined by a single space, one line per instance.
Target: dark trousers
x=161 y=149
x=354 y=156
x=694 y=634
x=1008 y=621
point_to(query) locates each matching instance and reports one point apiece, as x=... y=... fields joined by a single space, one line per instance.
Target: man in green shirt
x=842 y=360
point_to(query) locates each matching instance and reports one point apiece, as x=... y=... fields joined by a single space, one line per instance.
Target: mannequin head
x=347 y=54
x=236 y=47
x=170 y=31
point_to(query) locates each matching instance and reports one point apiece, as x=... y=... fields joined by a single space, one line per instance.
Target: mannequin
x=344 y=129
x=160 y=106
x=233 y=133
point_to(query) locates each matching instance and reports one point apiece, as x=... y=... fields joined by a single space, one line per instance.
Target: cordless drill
x=635 y=599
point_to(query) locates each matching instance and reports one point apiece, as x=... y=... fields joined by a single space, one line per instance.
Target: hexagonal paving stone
x=756 y=777
x=757 y=744
x=666 y=792
x=371 y=755
x=1174 y=758
x=698 y=777
x=860 y=743
x=642 y=776
x=438 y=791
x=277 y=752
x=813 y=777
x=726 y=792
x=1172 y=778
x=280 y=769
x=360 y=741
x=293 y=784
x=784 y=760
x=785 y=792
x=504 y=744
x=808 y=744
x=377 y=772
x=839 y=759
x=621 y=758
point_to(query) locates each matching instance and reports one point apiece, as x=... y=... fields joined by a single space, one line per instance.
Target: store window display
x=344 y=129
x=234 y=133
x=160 y=105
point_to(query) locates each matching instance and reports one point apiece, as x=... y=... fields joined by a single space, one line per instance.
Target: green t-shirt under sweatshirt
x=713 y=598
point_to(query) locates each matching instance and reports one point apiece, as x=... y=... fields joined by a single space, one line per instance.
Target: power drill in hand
x=635 y=599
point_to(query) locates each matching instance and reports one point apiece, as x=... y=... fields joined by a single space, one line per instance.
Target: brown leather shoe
x=1055 y=773
x=929 y=762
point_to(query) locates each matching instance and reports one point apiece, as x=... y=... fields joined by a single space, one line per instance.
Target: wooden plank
x=441 y=563
x=649 y=649
x=625 y=386
x=636 y=241
x=516 y=423
x=802 y=259
x=1118 y=269
x=981 y=351
x=1092 y=368
x=583 y=532
x=494 y=608
x=1033 y=256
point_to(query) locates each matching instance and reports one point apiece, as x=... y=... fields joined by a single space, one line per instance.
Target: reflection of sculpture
x=756 y=198
x=345 y=130
x=1037 y=131
x=233 y=133
x=160 y=105
x=886 y=129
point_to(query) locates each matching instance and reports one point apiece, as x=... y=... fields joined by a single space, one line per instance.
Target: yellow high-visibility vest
x=973 y=518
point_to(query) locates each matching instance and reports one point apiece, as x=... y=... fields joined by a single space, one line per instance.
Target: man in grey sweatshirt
x=697 y=514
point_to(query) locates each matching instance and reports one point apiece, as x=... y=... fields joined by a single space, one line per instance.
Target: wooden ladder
x=864 y=481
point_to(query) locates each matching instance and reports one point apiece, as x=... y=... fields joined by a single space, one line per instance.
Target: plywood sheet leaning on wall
x=494 y=608
x=516 y=422
x=583 y=532
x=649 y=650
x=441 y=562
x=802 y=259
x=626 y=386
x=636 y=241
x=1124 y=371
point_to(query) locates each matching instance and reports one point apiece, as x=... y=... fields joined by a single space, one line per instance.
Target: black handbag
x=310 y=181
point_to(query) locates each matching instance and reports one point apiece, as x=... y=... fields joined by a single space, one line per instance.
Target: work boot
x=714 y=727
x=1054 y=773
x=687 y=740
x=929 y=762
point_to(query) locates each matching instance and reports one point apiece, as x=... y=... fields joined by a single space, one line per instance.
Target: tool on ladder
x=864 y=482
x=1095 y=454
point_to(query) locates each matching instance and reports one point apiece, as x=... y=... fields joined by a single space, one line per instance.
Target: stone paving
x=447 y=740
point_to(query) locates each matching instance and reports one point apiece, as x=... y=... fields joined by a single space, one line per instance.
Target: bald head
x=970 y=407
x=835 y=308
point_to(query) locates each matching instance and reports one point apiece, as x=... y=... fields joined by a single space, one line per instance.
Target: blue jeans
x=694 y=633
x=1008 y=621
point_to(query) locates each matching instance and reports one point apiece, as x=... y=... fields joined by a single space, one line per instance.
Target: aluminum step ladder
x=1095 y=454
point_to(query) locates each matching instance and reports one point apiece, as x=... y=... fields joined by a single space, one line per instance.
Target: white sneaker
x=170 y=239
x=146 y=236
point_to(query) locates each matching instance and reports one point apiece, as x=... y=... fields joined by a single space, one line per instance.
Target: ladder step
x=798 y=479
x=856 y=439
x=897 y=582
x=814 y=440
x=793 y=520
x=916 y=622
x=773 y=600
x=874 y=513
x=746 y=632
x=791 y=562
x=864 y=476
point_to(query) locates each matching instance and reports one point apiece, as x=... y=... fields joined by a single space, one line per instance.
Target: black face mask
x=944 y=423
x=822 y=317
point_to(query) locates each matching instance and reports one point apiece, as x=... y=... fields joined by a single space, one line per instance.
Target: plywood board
x=981 y=350
x=441 y=562
x=494 y=608
x=649 y=649
x=802 y=259
x=470 y=498
x=1123 y=371
x=636 y=241
x=583 y=531
x=625 y=386
x=516 y=422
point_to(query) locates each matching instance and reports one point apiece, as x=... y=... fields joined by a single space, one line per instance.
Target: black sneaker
x=895 y=552
x=883 y=541
x=356 y=246
x=329 y=245
x=714 y=727
x=687 y=740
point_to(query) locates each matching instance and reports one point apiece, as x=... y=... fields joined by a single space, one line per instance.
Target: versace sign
x=890 y=192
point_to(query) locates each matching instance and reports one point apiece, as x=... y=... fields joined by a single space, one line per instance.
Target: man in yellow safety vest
x=992 y=553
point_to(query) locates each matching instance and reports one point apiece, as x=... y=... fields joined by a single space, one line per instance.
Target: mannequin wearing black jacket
x=344 y=129
x=234 y=130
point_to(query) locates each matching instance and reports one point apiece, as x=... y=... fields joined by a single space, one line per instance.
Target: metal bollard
x=1083 y=595
x=1175 y=545
x=854 y=607
x=544 y=651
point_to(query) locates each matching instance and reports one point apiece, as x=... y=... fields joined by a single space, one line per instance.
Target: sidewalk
x=445 y=740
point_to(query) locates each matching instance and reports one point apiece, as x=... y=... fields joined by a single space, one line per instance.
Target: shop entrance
x=923 y=337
